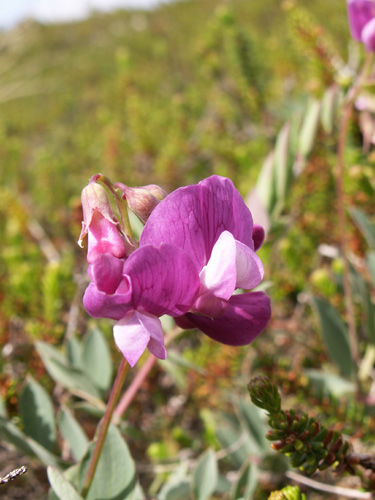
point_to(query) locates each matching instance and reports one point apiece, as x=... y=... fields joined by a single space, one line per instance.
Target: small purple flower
x=361 y=15
x=212 y=225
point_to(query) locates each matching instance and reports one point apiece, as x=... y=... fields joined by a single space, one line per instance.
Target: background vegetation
x=171 y=96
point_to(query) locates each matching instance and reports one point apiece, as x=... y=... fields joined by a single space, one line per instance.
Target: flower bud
x=100 y=224
x=142 y=200
x=265 y=395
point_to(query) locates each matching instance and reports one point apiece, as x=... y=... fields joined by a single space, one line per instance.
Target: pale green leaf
x=205 y=476
x=96 y=359
x=37 y=414
x=335 y=336
x=61 y=486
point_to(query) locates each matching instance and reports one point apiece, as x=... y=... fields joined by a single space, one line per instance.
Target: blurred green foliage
x=171 y=96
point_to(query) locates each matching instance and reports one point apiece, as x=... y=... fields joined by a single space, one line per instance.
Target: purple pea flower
x=132 y=286
x=212 y=225
x=361 y=14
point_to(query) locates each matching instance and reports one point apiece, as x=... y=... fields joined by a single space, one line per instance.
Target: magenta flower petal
x=368 y=35
x=244 y=319
x=258 y=236
x=135 y=332
x=101 y=305
x=106 y=272
x=156 y=343
x=360 y=12
x=164 y=280
x=193 y=217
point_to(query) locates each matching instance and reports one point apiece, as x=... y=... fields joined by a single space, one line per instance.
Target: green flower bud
x=265 y=395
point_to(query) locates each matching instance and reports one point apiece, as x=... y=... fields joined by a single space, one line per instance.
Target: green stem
x=104 y=425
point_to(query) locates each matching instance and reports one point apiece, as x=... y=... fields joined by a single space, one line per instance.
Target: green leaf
x=37 y=415
x=73 y=433
x=329 y=103
x=3 y=410
x=255 y=426
x=335 y=336
x=283 y=164
x=370 y=258
x=115 y=477
x=97 y=362
x=329 y=383
x=364 y=225
x=11 y=434
x=74 y=353
x=61 y=486
x=246 y=483
x=205 y=476
x=64 y=374
x=309 y=128
x=176 y=488
x=230 y=437
x=266 y=184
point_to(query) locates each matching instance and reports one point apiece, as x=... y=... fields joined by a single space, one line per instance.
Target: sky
x=14 y=11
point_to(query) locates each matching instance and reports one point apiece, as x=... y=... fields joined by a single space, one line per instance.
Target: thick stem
x=347 y=111
x=104 y=425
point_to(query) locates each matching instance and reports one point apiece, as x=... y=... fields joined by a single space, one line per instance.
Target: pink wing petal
x=219 y=275
x=101 y=305
x=249 y=267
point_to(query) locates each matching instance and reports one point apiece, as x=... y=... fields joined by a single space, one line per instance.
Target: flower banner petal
x=193 y=217
x=244 y=319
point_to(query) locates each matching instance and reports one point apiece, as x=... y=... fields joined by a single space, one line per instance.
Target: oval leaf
x=205 y=476
x=37 y=414
x=255 y=427
x=96 y=359
x=63 y=373
x=246 y=482
x=309 y=128
x=335 y=336
x=74 y=352
x=115 y=474
x=73 y=433
x=364 y=225
x=283 y=163
x=61 y=486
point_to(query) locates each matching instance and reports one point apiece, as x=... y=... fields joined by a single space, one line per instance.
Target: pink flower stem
x=132 y=390
x=347 y=112
x=138 y=380
x=104 y=425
